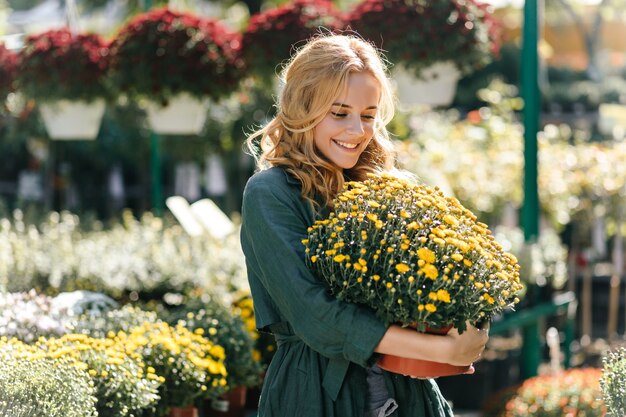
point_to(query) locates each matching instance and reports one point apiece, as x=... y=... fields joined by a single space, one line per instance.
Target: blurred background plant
x=223 y=327
x=191 y=367
x=613 y=381
x=33 y=384
x=43 y=72
x=272 y=36
x=28 y=316
x=124 y=385
x=147 y=257
x=571 y=392
x=417 y=34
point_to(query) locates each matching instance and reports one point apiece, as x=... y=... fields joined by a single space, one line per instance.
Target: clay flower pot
x=419 y=368
x=189 y=411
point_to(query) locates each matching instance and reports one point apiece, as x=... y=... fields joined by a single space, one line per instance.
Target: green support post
x=530 y=208
x=155 y=160
x=155 y=165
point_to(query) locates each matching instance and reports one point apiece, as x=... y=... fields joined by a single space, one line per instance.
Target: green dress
x=324 y=345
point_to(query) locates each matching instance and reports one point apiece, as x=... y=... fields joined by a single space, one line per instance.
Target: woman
x=330 y=128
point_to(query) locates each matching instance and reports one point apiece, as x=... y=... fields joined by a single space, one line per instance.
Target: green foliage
x=574 y=392
x=420 y=258
x=33 y=385
x=223 y=327
x=144 y=255
x=272 y=36
x=418 y=33
x=613 y=381
x=44 y=74
x=161 y=53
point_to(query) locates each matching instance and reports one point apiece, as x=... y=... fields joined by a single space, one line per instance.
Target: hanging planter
x=436 y=85
x=183 y=115
x=71 y=120
x=167 y=57
x=271 y=35
x=436 y=41
x=65 y=73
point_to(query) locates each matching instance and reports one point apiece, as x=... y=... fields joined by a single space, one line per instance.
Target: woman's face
x=347 y=129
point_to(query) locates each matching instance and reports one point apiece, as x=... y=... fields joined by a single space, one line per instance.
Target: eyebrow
x=349 y=107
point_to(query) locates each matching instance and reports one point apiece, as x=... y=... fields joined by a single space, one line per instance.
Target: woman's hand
x=466 y=348
x=453 y=348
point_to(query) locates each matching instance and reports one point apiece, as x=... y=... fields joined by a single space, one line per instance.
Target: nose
x=355 y=127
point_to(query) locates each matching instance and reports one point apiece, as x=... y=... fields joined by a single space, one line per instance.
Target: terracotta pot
x=189 y=411
x=231 y=404
x=420 y=368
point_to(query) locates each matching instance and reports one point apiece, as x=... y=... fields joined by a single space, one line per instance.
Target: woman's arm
x=274 y=223
x=452 y=348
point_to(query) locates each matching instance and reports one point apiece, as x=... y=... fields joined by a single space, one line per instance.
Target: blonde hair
x=313 y=80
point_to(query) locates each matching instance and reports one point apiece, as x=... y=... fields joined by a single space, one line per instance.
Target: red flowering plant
x=58 y=64
x=163 y=53
x=419 y=33
x=271 y=36
x=8 y=67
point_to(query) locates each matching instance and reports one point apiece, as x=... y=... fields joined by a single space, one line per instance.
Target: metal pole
x=155 y=167
x=530 y=207
x=155 y=160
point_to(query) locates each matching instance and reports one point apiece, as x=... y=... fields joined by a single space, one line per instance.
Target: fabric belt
x=336 y=369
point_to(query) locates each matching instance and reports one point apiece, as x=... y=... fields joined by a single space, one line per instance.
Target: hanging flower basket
x=183 y=115
x=271 y=35
x=435 y=87
x=162 y=53
x=71 y=120
x=419 y=34
x=420 y=368
x=66 y=74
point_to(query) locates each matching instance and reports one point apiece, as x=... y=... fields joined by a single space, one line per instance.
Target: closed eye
x=339 y=114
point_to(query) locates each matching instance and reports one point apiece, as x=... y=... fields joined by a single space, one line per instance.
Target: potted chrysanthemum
x=8 y=67
x=192 y=367
x=177 y=62
x=66 y=74
x=415 y=257
x=270 y=37
x=431 y=43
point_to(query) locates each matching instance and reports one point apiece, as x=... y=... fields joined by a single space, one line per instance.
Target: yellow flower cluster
x=186 y=360
x=124 y=384
x=414 y=255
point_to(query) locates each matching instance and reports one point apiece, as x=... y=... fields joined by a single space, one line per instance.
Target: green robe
x=324 y=344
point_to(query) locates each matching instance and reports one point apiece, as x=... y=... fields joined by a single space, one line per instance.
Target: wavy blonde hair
x=312 y=81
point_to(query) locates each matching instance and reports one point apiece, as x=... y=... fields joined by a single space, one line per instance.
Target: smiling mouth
x=346 y=145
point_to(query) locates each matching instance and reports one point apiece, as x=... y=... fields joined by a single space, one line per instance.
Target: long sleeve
x=275 y=221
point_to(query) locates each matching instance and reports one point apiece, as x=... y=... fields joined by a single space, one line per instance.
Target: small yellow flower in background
x=426 y=255
x=339 y=258
x=430 y=271
x=443 y=295
x=402 y=268
x=430 y=308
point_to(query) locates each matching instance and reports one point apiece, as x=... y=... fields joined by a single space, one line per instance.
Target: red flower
x=418 y=34
x=271 y=36
x=162 y=53
x=8 y=67
x=59 y=65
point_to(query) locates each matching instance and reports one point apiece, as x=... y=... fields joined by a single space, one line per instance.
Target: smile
x=346 y=145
